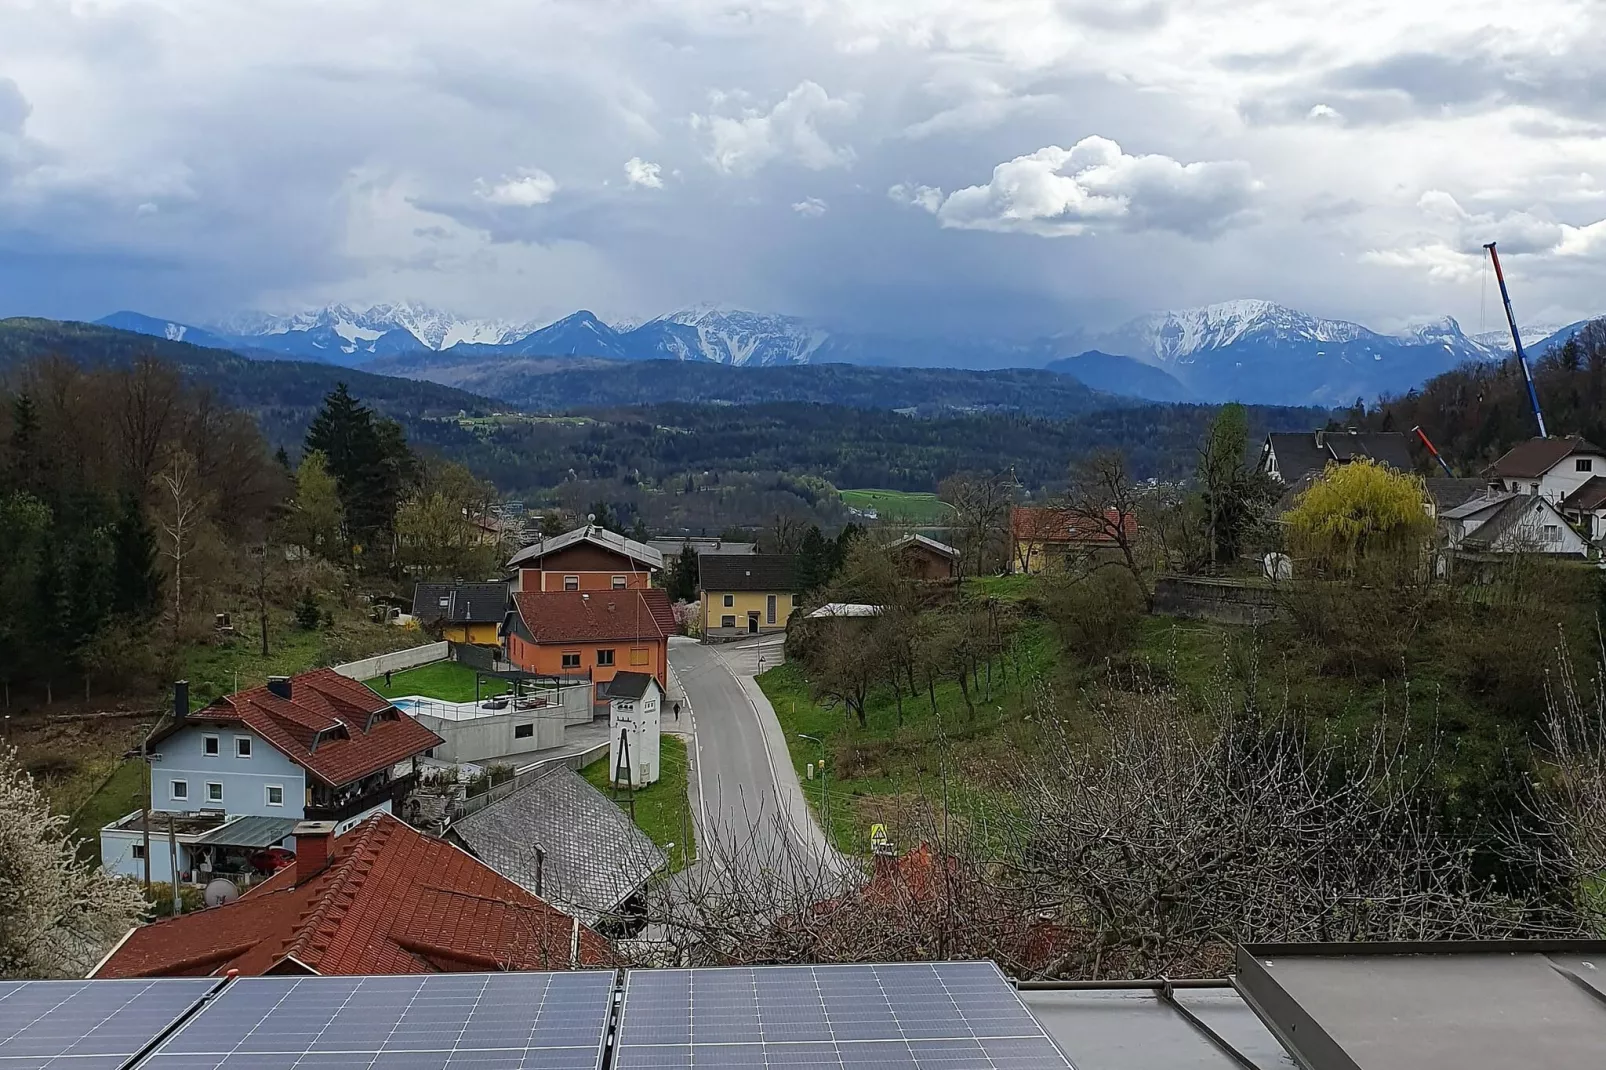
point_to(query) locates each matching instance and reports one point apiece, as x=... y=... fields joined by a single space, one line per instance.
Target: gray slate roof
x=758 y=572
x=1448 y=493
x=702 y=545
x=464 y=603
x=639 y=552
x=596 y=858
x=1299 y=453
x=632 y=685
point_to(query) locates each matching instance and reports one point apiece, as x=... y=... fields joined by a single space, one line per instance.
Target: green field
x=448 y=681
x=903 y=506
x=663 y=811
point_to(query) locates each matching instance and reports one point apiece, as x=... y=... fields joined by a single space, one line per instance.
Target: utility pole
x=145 y=811
x=172 y=854
x=825 y=813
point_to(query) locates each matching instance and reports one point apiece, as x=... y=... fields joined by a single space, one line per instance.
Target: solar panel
x=912 y=1016
x=88 y=1025
x=499 y=1021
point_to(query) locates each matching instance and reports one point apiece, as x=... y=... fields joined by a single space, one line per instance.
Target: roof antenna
x=1516 y=339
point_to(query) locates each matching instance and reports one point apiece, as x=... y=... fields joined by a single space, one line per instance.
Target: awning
x=249 y=832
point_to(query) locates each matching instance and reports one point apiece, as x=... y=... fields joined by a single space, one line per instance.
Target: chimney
x=181 y=700
x=280 y=685
x=540 y=870
x=313 y=848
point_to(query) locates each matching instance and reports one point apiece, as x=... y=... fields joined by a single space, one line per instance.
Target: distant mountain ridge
x=1249 y=350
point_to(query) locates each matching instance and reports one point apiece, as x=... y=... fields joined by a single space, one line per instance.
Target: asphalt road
x=748 y=804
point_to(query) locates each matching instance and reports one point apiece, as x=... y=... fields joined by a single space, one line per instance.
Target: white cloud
x=810 y=207
x=1455 y=253
x=639 y=172
x=527 y=189
x=1323 y=111
x=1057 y=192
x=928 y=198
x=741 y=145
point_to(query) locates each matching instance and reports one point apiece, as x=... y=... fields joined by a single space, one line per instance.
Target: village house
x=921 y=558
x=1046 y=538
x=590 y=635
x=316 y=746
x=1552 y=468
x=464 y=612
x=1507 y=523
x=381 y=899
x=1289 y=457
x=747 y=595
x=585 y=559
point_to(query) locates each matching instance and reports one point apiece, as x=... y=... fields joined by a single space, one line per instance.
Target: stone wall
x=1225 y=600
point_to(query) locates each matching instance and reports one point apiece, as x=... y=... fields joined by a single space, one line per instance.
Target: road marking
x=764 y=738
x=702 y=798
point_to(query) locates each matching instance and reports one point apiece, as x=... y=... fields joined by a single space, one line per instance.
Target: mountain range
x=1251 y=351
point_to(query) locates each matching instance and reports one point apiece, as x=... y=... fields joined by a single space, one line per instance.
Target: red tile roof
x=337 y=729
x=392 y=900
x=1053 y=524
x=596 y=616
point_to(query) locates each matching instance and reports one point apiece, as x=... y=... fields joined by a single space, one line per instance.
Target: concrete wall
x=1227 y=601
x=492 y=736
x=119 y=846
x=396 y=661
x=244 y=781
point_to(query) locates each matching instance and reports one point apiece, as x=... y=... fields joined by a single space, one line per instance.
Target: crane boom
x=1516 y=340
x=1423 y=435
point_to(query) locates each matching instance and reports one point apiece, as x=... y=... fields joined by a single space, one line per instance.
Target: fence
x=577 y=761
x=397 y=660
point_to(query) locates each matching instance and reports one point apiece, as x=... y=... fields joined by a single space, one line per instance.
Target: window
x=1552 y=533
x=139 y=851
x=209 y=744
x=1584 y=464
x=618 y=583
x=730 y=600
x=242 y=746
x=275 y=794
x=604 y=657
x=571 y=583
x=769 y=610
x=178 y=789
x=214 y=792
x=638 y=655
x=797 y=600
x=728 y=621
x=571 y=661
x=523 y=731
x=1533 y=488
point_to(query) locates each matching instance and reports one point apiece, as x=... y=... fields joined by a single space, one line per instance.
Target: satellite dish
x=221 y=891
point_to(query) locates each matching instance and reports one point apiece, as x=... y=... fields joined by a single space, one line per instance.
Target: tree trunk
x=964 y=689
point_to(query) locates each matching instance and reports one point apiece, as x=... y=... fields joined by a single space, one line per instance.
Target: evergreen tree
x=604 y=517
x=282 y=456
x=25 y=453
x=136 y=583
x=307 y=615
x=683 y=579
x=814 y=560
x=370 y=461
x=638 y=530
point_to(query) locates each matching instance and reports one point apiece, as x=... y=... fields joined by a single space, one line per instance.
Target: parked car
x=271 y=860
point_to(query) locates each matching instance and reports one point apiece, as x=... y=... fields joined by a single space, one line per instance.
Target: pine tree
x=370 y=461
x=136 y=583
x=813 y=560
x=307 y=615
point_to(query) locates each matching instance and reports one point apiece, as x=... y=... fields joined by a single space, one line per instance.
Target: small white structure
x=635 y=703
x=1511 y=524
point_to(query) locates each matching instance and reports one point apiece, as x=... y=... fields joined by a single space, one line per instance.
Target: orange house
x=585 y=559
x=590 y=635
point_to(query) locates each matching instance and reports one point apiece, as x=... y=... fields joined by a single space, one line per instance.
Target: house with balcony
x=312 y=747
x=590 y=636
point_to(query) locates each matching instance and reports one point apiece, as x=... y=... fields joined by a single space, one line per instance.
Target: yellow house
x=747 y=594
x=465 y=612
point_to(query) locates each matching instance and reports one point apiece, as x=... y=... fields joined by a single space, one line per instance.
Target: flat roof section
x=1138 y=1029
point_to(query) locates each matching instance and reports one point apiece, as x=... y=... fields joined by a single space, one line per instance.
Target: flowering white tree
x=58 y=913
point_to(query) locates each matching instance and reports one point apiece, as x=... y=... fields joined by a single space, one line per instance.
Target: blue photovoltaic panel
x=88 y=1025
x=913 y=1016
x=498 y=1021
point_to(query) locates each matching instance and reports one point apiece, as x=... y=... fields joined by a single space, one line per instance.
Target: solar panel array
x=500 y=1021
x=88 y=1025
x=954 y=1016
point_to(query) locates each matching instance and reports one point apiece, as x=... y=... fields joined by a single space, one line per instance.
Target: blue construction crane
x=1516 y=339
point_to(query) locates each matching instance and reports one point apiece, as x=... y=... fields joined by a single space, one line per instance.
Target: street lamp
x=824 y=802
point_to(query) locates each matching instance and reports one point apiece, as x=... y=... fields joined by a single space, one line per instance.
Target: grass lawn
x=223 y=667
x=122 y=794
x=883 y=772
x=1004 y=588
x=448 y=681
x=663 y=811
x=909 y=506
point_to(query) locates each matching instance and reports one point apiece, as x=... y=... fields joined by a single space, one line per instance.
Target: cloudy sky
x=979 y=166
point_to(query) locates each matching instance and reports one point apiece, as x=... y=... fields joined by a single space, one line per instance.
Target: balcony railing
x=344 y=806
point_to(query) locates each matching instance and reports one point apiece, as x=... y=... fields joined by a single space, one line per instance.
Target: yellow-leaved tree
x=1362 y=518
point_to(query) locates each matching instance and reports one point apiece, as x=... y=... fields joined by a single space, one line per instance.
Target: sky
x=973 y=167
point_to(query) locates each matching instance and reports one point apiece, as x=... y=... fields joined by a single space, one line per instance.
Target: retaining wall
x=1224 y=600
x=395 y=661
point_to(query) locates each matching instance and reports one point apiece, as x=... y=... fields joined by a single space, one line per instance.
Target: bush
x=161 y=899
x=1095 y=615
x=308 y=615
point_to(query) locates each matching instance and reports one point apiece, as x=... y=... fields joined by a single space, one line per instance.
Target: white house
x=635 y=702
x=1552 y=468
x=1511 y=524
x=317 y=747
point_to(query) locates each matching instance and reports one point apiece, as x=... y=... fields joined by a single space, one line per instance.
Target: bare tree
x=182 y=511
x=981 y=505
x=784 y=535
x=1101 y=507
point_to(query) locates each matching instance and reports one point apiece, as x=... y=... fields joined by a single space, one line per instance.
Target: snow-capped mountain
x=721 y=336
x=432 y=328
x=1177 y=337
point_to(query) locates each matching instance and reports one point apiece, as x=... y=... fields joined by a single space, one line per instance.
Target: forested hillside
x=1478 y=411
